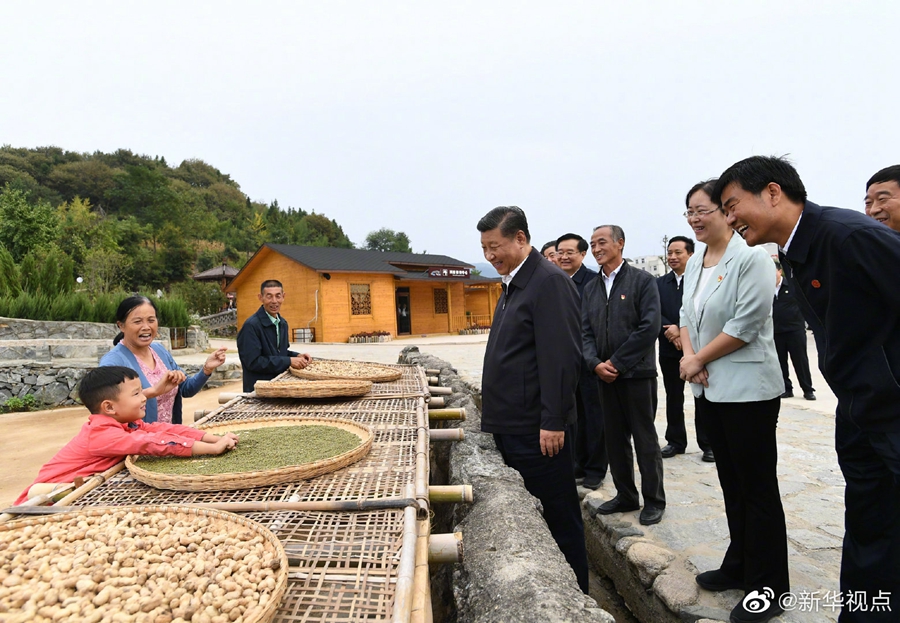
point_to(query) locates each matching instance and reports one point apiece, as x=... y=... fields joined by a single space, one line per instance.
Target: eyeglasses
x=567 y=253
x=689 y=215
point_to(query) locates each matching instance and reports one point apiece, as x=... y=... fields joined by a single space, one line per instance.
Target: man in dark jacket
x=621 y=320
x=842 y=267
x=671 y=288
x=790 y=338
x=263 y=339
x=590 y=443
x=530 y=374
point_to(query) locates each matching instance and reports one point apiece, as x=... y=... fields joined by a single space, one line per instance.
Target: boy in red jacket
x=114 y=396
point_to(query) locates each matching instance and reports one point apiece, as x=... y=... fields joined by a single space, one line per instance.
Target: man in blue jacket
x=842 y=266
x=530 y=374
x=263 y=339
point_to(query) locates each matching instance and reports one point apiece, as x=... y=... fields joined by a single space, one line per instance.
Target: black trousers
x=793 y=343
x=870 y=462
x=551 y=480
x=591 y=460
x=743 y=439
x=676 y=434
x=629 y=408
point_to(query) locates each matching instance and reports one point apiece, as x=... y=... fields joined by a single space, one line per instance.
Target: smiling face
x=130 y=405
x=606 y=251
x=568 y=257
x=883 y=203
x=706 y=218
x=759 y=218
x=271 y=299
x=550 y=255
x=140 y=327
x=677 y=256
x=503 y=253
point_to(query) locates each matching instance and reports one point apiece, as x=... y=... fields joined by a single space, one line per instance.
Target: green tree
x=145 y=193
x=23 y=225
x=47 y=270
x=388 y=240
x=105 y=270
x=9 y=275
x=325 y=232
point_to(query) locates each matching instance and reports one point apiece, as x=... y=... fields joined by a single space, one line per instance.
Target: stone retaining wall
x=513 y=569
x=53 y=384
x=21 y=329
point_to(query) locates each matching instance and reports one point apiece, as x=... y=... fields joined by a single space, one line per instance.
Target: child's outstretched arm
x=223 y=444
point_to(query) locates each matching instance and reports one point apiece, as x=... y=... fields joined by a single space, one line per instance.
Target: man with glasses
x=842 y=266
x=590 y=444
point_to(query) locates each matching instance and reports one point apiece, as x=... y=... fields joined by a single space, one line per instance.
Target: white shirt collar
x=778 y=286
x=506 y=279
x=787 y=244
x=678 y=278
x=608 y=280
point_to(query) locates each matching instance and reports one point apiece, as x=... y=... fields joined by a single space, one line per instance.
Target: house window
x=440 y=301
x=360 y=299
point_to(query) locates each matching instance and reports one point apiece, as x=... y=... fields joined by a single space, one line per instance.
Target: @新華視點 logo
x=756 y=601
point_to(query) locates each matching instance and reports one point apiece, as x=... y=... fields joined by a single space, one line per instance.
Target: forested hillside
x=129 y=221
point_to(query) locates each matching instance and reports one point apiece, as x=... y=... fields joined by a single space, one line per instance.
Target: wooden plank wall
x=339 y=323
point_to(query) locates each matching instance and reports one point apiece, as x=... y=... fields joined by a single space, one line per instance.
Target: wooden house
x=332 y=294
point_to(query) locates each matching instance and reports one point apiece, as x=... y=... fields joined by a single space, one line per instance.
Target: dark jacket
x=121 y=356
x=532 y=358
x=842 y=266
x=582 y=277
x=261 y=359
x=622 y=327
x=786 y=314
x=670 y=310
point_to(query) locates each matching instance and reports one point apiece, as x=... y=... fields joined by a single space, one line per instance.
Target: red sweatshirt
x=103 y=442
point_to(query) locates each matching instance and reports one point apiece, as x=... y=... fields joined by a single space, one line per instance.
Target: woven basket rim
x=303 y=388
x=245 y=480
x=265 y=615
x=381 y=373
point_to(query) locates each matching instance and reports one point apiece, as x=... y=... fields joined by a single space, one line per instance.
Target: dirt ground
x=28 y=440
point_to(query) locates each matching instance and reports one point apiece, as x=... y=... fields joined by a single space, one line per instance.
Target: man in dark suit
x=620 y=321
x=842 y=266
x=263 y=339
x=590 y=444
x=530 y=374
x=790 y=338
x=670 y=287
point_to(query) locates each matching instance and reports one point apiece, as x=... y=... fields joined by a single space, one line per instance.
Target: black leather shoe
x=717 y=581
x=809 y=395
x=651 y=515
x=617 y=505
x=788 y=394
x=741 y=615
x=592 y=483
x=669 y=451
x=708 y=456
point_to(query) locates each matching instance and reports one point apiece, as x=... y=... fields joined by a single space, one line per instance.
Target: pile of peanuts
x=151 y=567
x=347 y=370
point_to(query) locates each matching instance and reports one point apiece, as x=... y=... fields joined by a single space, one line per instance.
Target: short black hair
x=707 y=186
x=129 y=305
x=552 y=243
x=510 y=219
x=688 y=242
x=887 y=174
x=103 y=383
x=582 y=243
x=755 y=173
x=270 y=283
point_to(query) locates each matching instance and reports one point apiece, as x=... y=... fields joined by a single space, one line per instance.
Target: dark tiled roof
x=360 y=260
x=217 y=272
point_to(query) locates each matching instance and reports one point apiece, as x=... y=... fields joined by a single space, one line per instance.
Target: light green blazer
x=737 y=300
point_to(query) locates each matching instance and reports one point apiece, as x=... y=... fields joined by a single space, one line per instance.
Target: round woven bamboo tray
x=352 y=370
x=219 y=523
x=247 y=480
x=311 y=389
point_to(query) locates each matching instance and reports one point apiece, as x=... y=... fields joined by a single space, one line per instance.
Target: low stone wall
x=53 y=384
x=513 y=569
x=20 y=329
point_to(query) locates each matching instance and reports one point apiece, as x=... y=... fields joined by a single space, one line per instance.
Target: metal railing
x=222 y=319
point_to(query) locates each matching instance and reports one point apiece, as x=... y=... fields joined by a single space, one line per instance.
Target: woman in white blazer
x=731 y=363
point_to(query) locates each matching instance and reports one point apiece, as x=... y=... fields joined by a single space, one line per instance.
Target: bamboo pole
x=433 y=380
x=226 y=397
x=440 y=391
x=421 y=607
x=444 y=548
x=406 y=568
x=447 y=434
x=451 y=493
x=436 y=402
x=36 y=501
x=432 y=371
x=91 y=483
x=258 y=507
x=218 y=410
x=447 y=414
x=422 y=459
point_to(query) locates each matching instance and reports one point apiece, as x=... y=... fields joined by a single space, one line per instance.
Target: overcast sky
x=422 y=116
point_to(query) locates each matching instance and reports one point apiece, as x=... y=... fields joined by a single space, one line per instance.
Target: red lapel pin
x=816 y=284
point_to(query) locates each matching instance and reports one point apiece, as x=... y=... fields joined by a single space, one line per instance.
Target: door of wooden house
x=404 y=321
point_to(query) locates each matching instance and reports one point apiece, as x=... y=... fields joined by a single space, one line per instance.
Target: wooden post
x=447 y=414
x=436 y=402
x=436 y=390
x=447 y=434
x=433 y=380
x=451 y=493
x=445 y=548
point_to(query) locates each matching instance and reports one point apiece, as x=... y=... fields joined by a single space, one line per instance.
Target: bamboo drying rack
x=355 y=537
